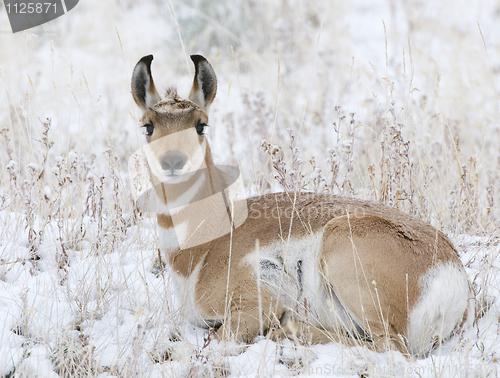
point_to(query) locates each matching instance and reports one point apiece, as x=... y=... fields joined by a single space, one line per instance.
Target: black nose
x=173 y=160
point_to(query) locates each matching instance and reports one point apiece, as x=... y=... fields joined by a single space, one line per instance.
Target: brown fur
x=371 y=257
x=396 y=243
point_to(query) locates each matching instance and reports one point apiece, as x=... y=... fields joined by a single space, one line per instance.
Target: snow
x=125 y=310
x=92 y=292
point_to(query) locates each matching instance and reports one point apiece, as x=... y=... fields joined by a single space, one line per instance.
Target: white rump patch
x=445 y=297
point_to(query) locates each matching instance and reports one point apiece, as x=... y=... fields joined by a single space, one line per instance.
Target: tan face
x=176 y=146
x=176 y=141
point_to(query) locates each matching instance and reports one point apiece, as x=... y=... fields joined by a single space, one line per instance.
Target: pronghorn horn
x=204 y=83
x=143 y=86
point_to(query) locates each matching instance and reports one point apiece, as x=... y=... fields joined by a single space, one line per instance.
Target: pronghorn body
x=342 y=265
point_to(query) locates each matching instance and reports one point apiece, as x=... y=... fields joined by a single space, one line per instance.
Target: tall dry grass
x=397 y=120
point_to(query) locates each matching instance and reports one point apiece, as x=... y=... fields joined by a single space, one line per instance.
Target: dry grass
x=417 y=129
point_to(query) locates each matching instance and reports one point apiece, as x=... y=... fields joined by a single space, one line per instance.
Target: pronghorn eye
x=149 y=129
x=200 y=128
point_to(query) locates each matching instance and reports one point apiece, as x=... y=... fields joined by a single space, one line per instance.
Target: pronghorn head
x=174 y=127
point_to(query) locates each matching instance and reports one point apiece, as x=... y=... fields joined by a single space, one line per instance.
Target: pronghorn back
x=315 y=266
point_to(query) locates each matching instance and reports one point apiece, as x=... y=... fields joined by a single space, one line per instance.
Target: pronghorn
x=317 y=266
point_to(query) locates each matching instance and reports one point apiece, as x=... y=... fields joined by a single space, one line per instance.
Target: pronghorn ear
x=204 y=83
x=143 y=87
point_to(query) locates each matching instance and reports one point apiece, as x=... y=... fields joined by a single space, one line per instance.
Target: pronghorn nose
x=173 y=160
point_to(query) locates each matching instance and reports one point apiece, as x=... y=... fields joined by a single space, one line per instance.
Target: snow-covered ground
x=82 y=292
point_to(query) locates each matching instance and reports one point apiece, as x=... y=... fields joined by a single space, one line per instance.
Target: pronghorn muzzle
x=173 y=161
